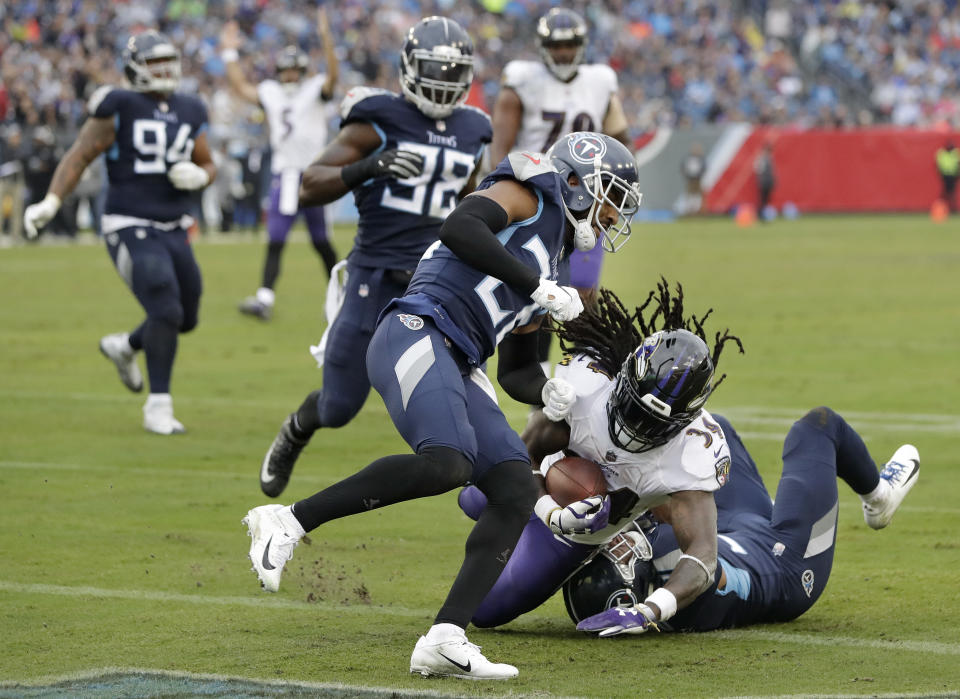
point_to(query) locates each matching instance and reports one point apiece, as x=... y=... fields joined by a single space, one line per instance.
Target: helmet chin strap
x=584 y=237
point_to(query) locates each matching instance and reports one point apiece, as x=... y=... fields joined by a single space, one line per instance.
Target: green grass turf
x=125 y=549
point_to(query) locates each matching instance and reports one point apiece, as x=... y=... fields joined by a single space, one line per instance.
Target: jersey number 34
x=434 y=192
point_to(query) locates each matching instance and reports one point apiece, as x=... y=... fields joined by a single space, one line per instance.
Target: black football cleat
x=279 y=461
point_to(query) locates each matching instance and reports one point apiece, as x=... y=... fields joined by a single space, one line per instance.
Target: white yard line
x=927 y=647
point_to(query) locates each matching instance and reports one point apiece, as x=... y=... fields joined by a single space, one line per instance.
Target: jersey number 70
x=434 y=192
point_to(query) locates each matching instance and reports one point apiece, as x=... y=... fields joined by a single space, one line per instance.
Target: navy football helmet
x=561 y=27
x=292 y=58
x=606 y=173
x=660 y=390
x=436 y=66
x=616 y=577
x=151 y=63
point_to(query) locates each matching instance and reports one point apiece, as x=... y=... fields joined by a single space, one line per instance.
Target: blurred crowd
x=826 y=64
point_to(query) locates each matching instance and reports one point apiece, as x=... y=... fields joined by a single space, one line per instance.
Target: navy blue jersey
x=151 y=135
x=756 y=570
x=479 y=310
x=399 y=219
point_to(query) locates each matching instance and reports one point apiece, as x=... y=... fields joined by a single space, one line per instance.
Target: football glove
x=582 y=517
x=188 y=175
x=39 y=215
x=636 y=619
x=561 y=302
x=400 y=164
x=558 y=396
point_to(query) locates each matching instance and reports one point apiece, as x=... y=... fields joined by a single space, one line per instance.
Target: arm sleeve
x=518 y=369
x=470 y=233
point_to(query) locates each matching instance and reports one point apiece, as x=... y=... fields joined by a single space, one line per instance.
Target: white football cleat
x=272 y=543
x=451 y=655
x=900 y=473
x=117 y=349
x=158 y=415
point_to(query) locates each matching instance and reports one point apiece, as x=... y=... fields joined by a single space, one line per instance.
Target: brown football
x=573 y=478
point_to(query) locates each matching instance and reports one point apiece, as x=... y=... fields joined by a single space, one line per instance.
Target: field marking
x=929 y=647
x=164 y=471
x=99 y=673
x=781 y=418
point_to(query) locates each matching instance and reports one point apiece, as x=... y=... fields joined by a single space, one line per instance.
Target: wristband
x=544 y=508
x=666 y=602
x=230 y=55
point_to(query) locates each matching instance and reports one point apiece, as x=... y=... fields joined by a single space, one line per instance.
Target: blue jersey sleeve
x=366 y=104
x=105 y=102
x=530 y=169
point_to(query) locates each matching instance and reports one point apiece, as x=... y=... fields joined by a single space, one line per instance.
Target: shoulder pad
x=516 y=73
x=602 y=72
x=470 y=109
x=528 y=165
x=96 y=99
x=356 y=95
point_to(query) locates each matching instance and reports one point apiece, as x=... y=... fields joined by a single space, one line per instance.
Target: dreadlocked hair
x=607 y=332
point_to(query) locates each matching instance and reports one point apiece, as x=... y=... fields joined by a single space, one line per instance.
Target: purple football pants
x=278 y=224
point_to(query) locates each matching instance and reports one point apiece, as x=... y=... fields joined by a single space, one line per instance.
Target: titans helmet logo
x=585 y=147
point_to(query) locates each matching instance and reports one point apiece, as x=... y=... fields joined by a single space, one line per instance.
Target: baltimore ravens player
x=491 y=275
x=407 y=159
x=157 y=156
x=644 y=423
x=297 y=118
x=775 y=558
x=540 y=101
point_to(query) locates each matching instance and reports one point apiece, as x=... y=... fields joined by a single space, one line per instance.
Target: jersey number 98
x=434 y=192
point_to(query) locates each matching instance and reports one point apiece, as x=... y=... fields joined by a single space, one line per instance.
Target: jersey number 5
x=150 y=142
x=429 y=194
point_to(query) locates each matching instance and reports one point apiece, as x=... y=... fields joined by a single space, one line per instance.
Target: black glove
x=399 y=164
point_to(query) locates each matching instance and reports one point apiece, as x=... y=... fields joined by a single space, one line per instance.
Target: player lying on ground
x=637 y=411
x=492 y=274
x=775 y=557
x=157 y=156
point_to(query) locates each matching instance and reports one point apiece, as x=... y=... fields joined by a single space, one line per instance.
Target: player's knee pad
x=510 y=484
x=164 y=306
x=444 y=467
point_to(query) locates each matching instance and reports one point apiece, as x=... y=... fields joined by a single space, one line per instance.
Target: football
x=573 y=478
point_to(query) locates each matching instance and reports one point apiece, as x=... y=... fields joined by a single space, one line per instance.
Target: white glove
x=558 y=396
x=39 y=215
x=581 y=517
x=188 y=175
x=561 y=302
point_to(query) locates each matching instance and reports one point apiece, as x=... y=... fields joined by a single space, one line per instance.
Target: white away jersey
x=298 y=122
x=552 y=108
x=696 y=459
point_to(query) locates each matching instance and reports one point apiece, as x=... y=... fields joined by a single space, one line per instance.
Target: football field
x=124 y=568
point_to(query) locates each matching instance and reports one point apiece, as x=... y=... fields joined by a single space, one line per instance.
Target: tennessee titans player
x=775 y=558
x=407 y=158
x=296 y=109
x=491 y=276
x=157 y=156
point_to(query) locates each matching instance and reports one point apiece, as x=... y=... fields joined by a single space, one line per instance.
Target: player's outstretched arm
x=323 y=181
x=95 y=137
x=329 y=53
x=543 y=437
x=518 y=366
x=507 y=119
x=229 y=52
